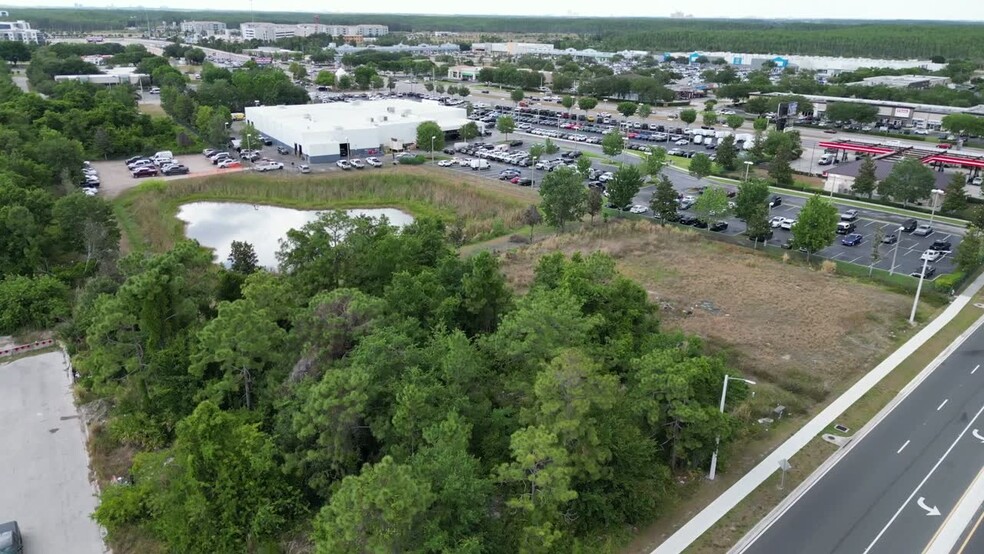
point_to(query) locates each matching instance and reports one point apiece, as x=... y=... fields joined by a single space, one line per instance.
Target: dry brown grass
x=151 y=109
x=802 y=333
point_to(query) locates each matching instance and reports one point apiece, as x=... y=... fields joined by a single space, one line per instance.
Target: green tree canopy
x=564 y=197
x=701 y=166
x=430 y=137
x=816 y=225
x=612 y=143
x=865 y=181
x=624 y=186
x=909 y=181
x=688 y=116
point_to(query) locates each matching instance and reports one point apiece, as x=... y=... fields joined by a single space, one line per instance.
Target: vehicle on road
x=930 y=271
x=11 y=541
x=445 y=163
x=787 y=225
x=638 y=209
x=304 y=168
x=923 y=230
x=144 y=171
x=853 y=239
x=931 y=255
x=775 y=201
x=849 y=215
x=343 y=164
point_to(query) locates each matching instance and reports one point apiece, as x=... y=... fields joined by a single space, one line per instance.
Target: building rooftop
x=882 y=170
x=902 y=81
x=336 y=117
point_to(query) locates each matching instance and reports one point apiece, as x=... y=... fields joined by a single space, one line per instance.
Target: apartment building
x=203 y=27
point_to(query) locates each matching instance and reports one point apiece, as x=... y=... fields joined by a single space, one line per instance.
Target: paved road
x=972 y=541
x=45 y=483
x=882 y=497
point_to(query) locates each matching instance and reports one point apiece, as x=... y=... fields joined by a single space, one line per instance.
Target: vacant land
x=483 y=208
x=152 y=108
x=801 y=333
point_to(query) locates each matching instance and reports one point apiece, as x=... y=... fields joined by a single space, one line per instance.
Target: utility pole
x=717 y=440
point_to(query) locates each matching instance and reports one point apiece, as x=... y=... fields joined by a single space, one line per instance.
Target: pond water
x=216 y=224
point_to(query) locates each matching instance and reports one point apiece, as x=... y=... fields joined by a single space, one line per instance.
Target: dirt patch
x=800 y=332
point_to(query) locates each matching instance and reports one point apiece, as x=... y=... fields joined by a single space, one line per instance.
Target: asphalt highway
x=895 y=488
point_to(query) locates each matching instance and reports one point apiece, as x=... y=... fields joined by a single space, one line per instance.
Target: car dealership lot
x=116 y=177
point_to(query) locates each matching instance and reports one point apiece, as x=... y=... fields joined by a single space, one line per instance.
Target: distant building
x=907 y=115
x=19 y=31
x=903 y=81
x=207 y=28
x=423 y=49
x=274 y=31
x=463 y=72
x=840 y=178
x=539 y=49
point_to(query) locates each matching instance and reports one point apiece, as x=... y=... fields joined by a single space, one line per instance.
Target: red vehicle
x=944 y=146
x=144 y=171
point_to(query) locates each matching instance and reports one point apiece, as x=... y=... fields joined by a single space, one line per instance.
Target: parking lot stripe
x=856 y=259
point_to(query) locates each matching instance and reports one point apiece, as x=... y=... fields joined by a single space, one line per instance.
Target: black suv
x=941 y=246
x=909 y=225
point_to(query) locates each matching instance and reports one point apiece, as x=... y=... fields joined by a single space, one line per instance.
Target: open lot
x=781 y=323
x=116 y=178
x=46 y=484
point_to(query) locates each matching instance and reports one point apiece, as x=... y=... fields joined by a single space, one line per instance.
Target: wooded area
x=904 y=39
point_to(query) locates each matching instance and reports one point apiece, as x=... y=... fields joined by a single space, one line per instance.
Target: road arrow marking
x=977 y=435
x=929 y=511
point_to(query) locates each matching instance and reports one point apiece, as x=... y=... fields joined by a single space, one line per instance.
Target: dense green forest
x=901 y=39
x=382 y=394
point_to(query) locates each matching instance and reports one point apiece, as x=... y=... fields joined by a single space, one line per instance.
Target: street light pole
x=717 y=440
x=915 y=302
x=533 y=171
x=433 y=138
x=895 y=253
x=747 y=165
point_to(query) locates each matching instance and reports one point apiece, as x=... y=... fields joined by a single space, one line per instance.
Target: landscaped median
x=746 y=514
x=485 y=208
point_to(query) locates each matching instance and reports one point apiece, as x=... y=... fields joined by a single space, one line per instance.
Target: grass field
x=486 y=208
x=154 y=110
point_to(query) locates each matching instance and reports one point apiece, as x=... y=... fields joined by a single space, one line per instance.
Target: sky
x=955 y=10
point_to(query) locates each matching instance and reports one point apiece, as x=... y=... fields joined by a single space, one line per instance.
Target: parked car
x=787 y=225
x=283 y=150
x=229 y=163
x=909 y=225
x=11 y=541
x=849 y=215
x=931 y=255
x=144 y=171
x=304 y=168
x=845 y=227
x=208 y=152
x=132 y=159
x=853 y=239
x=923 y=230
x=374 y=162
x=357 y=163
x=775 y=201
x=343 y=164
x=890 y=239
x=638 y=209
x=268 y=166
x=175 y=169
x=930 y=271
x=524 y=182
x=719 y=226
x=941 y=245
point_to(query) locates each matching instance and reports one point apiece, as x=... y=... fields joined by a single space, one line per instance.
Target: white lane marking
x=899 y=451
x=976 y=367
x=940 y=407
x=856 y=259
x=923 y=482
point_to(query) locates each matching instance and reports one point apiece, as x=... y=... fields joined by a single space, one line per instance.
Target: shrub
x=828 y=266
x=412 y=160
x=120 y=505
x=36 y=302
x=950 y=281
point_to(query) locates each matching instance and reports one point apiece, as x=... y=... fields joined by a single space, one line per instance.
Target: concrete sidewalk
x=710 y=515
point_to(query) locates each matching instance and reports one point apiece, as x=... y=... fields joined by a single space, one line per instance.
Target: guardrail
x=36 y=345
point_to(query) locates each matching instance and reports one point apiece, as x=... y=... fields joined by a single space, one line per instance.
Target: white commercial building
x=538 y=49
x=323 y=133
x=207 y=28
x=274 y=31
x=19 y=31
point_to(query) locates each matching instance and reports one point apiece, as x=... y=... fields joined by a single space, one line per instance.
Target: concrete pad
x=46 y=486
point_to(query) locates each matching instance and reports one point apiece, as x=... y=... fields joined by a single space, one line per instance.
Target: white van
x=826 y=159
x=480 y=164
x=164 y=154
x=459 y=146
x=698 y=139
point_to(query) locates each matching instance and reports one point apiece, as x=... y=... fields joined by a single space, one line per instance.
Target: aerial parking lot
x=46 y=486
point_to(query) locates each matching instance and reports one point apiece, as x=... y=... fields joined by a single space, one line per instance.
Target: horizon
x=971 y=7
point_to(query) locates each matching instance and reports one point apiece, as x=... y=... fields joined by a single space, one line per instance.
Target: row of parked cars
x=161 y=163
x=90 y=180
x=356 y=163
